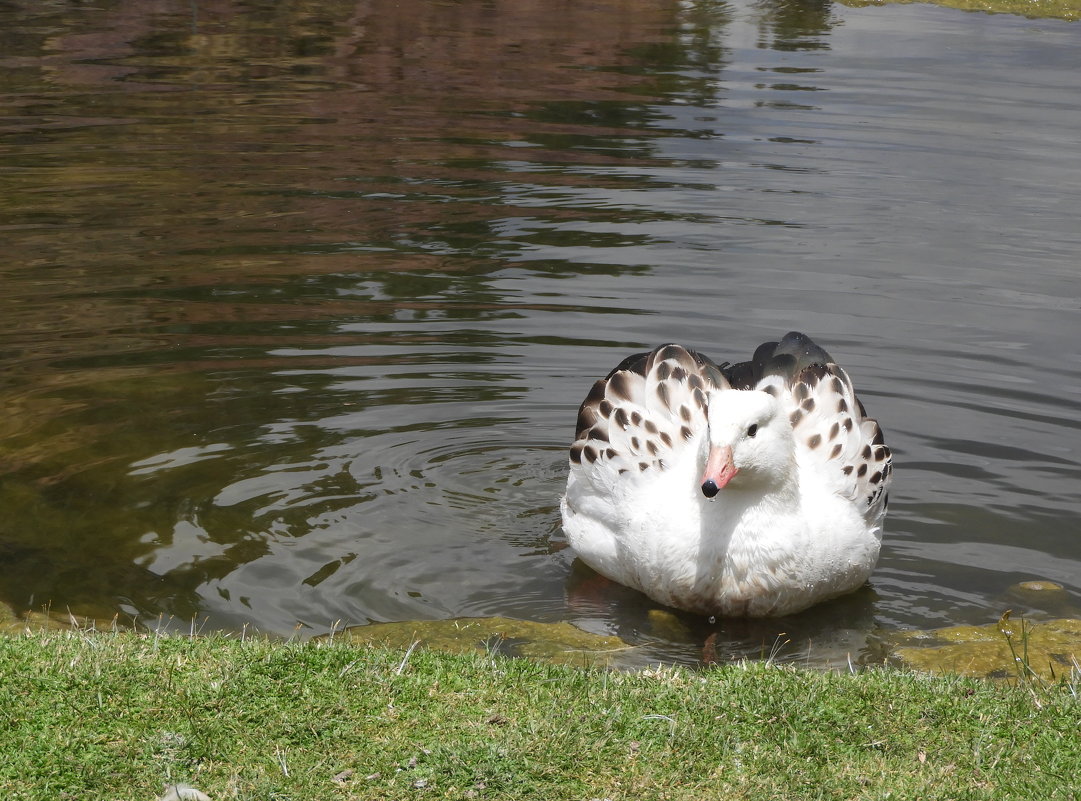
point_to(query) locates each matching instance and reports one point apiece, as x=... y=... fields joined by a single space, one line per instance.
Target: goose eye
x=752 y=430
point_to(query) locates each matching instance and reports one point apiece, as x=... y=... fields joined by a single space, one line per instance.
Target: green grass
x=1035 y=9
x=118 y=716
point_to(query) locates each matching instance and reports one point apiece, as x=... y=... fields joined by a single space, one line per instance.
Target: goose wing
x=644 y=412
x=834 y=436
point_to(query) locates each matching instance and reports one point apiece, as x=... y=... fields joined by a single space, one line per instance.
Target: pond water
x=300 y=299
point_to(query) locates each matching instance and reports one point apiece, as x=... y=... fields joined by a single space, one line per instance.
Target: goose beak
x=719 y=470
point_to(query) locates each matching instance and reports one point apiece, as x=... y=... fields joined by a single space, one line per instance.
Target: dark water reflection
x=299 y=299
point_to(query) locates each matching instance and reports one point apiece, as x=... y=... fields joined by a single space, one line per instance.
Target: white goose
x=753 y=489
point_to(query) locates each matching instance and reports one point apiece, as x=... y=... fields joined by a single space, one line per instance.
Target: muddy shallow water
x=299 y=300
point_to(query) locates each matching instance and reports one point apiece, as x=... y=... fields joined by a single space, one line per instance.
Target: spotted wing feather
x=834 y=433
x=644 y=411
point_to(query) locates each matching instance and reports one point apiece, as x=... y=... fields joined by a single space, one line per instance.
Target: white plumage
x=753 y=489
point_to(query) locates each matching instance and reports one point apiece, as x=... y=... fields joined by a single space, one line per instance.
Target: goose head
x=749 y=437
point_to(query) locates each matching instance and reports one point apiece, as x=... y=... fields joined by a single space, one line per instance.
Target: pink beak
x=719 y=471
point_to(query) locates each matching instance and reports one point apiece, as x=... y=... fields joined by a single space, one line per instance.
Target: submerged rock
x=1003 y=650
x=664 y=624
x=558 y=643
x=1046 y=596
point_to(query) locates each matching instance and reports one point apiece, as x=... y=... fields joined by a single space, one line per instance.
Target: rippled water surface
x=299 y=299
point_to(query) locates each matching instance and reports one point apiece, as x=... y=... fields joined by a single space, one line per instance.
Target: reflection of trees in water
x=321 y=134
x=796 y=24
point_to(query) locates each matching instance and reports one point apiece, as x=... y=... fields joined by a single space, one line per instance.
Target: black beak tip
x=710 y=488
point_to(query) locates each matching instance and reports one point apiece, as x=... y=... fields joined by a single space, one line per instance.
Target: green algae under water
x=1048 y=650
x=557 y=643
x=1008 y=649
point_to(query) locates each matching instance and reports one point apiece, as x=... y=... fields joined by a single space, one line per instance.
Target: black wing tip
x=804 y=350
x=635 y=363
x=788 y=357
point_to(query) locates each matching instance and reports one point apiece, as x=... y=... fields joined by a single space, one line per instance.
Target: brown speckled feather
x=649 y=405
x=835 y=437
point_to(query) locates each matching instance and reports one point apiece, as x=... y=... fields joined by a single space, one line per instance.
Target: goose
x=755 y=489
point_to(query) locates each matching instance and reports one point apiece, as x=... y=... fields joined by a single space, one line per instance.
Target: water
x=299 y=300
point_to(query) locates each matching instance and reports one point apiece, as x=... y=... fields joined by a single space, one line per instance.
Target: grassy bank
x=118 y=716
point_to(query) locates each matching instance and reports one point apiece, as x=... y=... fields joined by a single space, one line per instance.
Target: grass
x=1035 y=9
x=120 y=715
